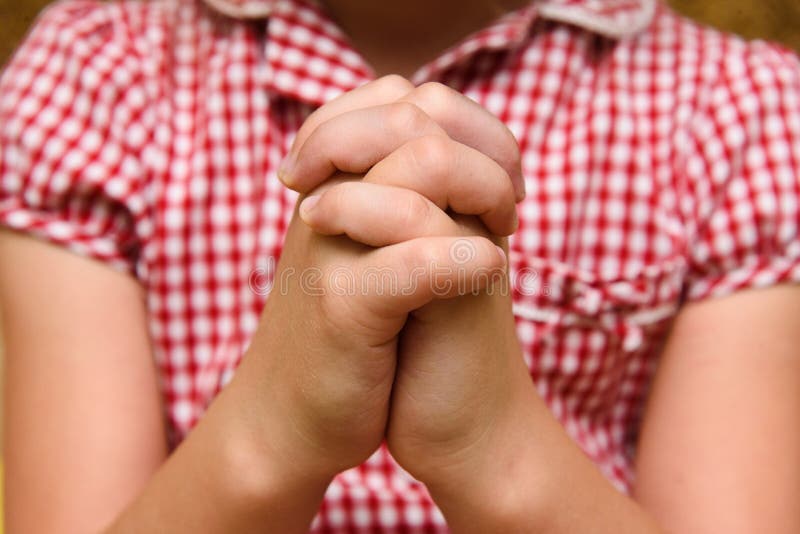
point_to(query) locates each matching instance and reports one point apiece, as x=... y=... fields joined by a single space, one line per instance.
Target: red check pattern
x=661 y=160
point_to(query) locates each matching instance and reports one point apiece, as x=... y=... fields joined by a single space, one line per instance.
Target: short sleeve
x=69 y=100
x=742 y=163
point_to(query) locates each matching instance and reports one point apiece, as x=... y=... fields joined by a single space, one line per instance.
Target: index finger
x=381 y=91
x=467 y=122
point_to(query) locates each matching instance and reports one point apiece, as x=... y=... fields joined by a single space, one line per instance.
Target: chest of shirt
x=596 y=264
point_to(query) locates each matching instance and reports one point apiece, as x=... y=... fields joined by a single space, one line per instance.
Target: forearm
x=534 y=478
x=227 y=477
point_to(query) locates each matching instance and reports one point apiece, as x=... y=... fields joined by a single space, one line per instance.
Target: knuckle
x=394 y=84
x=434 y=93
x=511 y=150
x=432 y=155
x=405 y=116
x=406 y=266
x=487 y=249
x=504 y=188
x=420 y=258
x=335 y=198
x=416 y=211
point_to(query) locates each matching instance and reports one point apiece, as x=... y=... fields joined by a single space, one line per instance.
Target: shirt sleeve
x=742 y=167
x=69 y=138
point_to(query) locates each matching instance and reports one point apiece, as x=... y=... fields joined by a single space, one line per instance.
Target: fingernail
x=501 y=251
x=307 y=206
x=287 y=168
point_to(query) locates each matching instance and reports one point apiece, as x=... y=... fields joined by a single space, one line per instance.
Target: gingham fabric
x=661 y=161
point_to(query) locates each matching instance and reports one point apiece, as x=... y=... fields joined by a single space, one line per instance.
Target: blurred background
x=776 y=20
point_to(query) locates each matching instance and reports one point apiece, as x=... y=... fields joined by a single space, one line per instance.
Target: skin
x=493 y=457
x=395 y=39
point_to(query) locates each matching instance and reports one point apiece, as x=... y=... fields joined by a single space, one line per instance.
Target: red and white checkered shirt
x=661 y=160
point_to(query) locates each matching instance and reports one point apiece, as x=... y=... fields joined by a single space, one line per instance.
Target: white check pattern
x=661 y=160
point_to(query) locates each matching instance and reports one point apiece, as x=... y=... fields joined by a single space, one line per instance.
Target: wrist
x=323 y=417
x=275 y=418
x=261 y=461
x=507 y=484
x=227 y=477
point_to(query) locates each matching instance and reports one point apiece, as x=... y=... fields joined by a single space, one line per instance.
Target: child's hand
x=431 y=140
x=325 y=353
x=457 y=391
x=460 y=365
x=326 y=348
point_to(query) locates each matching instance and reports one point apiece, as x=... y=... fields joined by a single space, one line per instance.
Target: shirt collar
x=612 y=18
x=310 y=59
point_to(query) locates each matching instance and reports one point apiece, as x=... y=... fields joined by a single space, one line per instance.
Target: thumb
x=401 y=278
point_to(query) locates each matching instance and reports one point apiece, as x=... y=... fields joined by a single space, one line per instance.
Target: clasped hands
x=403 y=331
